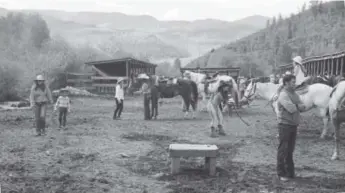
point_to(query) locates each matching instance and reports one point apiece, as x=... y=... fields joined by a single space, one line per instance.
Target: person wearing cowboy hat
x=297 y=60
x=213 y=107
x=119 y=98
x=40 y=97
x=63 y=103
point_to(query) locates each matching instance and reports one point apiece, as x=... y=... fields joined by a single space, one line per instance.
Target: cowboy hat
x=120 y=80
x=39 y=77
x=64 y=90
x=297 y=59
x=287 y=73
x=143 y=76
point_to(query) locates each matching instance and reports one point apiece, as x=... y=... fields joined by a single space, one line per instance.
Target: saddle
x=302 y=88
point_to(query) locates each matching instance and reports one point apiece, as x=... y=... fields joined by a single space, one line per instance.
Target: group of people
x=289 y=105
x=41 y=97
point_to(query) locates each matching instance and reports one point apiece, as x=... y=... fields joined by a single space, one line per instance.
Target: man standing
x=289 y=107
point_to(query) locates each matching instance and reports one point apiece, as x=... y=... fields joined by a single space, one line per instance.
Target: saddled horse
x=302 y=79
x=315 y=95
x=337 y=113
x=205 y=87
x=172 y=87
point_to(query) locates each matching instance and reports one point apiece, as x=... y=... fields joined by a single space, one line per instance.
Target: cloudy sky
x=168 y=9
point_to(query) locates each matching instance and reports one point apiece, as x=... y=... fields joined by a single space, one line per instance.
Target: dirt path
x=98 y=154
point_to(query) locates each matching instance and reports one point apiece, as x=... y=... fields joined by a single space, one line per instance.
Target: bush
x=8 y=84
x=27 y=49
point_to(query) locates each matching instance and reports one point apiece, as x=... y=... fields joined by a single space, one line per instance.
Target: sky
x=228 y=10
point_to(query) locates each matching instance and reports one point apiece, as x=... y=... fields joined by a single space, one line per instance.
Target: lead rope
x=245 y=122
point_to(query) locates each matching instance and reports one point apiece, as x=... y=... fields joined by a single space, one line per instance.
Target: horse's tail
x=195 y=91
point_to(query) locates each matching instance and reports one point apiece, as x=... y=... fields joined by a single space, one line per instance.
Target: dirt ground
x=97 y=154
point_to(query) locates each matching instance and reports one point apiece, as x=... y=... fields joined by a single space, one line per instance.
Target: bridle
x=252 y=91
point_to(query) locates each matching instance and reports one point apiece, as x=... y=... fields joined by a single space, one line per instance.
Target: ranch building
x=103 y=74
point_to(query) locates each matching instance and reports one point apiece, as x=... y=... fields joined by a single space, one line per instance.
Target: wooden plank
x=103 y=85
x=342 y=66
x=175 y=165
x=212 y=166
x=79 y=80
x=107 y=77
x=99 y=71
x=191 y=150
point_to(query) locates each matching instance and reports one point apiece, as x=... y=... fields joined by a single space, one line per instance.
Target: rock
x=124 y=155
x=159 y=175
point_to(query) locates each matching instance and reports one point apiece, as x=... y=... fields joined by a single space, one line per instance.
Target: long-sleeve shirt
x=119 y=93
x=63 y=101
x=288 y=111
x=37 y=95
x=145 y=88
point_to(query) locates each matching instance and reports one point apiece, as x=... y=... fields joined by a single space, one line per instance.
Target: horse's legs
x=194 y=106
x=323 y=113
x=187 y=103
x=204 y=101
x=336 y=125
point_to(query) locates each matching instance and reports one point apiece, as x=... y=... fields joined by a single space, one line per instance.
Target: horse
x=337 y=114
x=315 y=95
x=302 y=79
x=211 y=87
x=172 y=87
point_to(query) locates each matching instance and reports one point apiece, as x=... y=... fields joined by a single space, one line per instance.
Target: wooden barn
x=105 y=73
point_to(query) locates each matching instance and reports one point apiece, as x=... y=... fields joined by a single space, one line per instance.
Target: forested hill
x=319 y=28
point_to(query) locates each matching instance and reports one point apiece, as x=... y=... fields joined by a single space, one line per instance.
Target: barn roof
x=120 y=60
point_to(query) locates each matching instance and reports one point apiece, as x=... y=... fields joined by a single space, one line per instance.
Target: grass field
x=97 y=154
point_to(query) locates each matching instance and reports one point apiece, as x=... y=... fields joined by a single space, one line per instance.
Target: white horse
x=200 y=79
x=315 y=95
x=337 y=113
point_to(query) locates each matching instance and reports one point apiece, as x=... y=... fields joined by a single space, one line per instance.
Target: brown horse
x=172 y=87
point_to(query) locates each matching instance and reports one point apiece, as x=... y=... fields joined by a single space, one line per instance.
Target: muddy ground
x=97 y=154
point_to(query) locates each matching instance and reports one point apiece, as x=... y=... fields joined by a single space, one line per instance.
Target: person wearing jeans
x=289 y=108
x=63 y=104
x=40 y=97
x=119 y=97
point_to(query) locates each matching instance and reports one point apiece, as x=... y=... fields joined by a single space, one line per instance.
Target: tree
x=39 y=30
x=314 y=7
x=289 y=29
x=285 y=53
x=321 y=8
x=304 y=6
x=274 y=21
x=280 y=18
x=177 y=64
x=268 y=23
x=302 y=51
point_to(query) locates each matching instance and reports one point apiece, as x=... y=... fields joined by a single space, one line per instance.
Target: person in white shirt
x=119 y=97
x=63 y=103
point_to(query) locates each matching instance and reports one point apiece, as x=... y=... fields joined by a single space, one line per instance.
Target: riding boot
x=213 y=132
x=221 y=130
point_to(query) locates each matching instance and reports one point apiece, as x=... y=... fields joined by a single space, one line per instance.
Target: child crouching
x=213 y=108
x=63 y=103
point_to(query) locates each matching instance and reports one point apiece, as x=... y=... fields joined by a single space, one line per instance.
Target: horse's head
x=250 y=92
x=187 y=74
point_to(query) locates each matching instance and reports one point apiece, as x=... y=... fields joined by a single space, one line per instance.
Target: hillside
x=144 y=36
x=320 y=29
